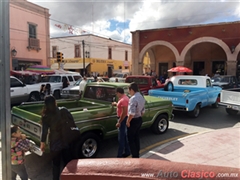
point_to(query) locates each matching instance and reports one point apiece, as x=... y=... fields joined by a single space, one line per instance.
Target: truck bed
x=182 y=98
x=28 y=116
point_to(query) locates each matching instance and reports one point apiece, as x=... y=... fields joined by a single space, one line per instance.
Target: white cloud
x=95 y=16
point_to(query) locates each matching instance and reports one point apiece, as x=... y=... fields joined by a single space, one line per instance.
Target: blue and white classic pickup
x=189 y=93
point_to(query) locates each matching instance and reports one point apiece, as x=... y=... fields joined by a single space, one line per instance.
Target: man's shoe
x=125 y=155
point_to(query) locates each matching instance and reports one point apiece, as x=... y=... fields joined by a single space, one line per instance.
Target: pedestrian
x=19 y=145
x=122 y=107
x=134 y=122
x=51 y=121
x=82 y=86
x=47 y=89
x=65 y=83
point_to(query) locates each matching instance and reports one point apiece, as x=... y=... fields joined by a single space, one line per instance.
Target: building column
x=136 y=62
x=179 y=63
x=231 y=67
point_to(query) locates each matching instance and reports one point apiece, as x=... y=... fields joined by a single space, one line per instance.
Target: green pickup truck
x=94 y=115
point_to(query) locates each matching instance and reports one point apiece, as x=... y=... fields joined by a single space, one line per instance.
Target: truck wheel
x=34 y=96
x=160 y=125
x=56 y=94
x=195 y=113
x=88 y=146
x=169 y=86
x=231 y=111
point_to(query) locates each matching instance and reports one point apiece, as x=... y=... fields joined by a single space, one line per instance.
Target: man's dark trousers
x=133 y=136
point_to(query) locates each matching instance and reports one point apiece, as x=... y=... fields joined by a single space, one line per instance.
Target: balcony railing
x=33 y=44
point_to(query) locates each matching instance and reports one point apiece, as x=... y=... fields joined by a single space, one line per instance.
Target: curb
x=169 y=141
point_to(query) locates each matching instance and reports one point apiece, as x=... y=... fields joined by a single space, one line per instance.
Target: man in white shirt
x=82 y=86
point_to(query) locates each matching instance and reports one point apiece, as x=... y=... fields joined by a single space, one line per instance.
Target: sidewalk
x=218 y=148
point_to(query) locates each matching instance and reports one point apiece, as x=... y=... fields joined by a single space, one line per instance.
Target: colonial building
x=29 y=35
x=203 y=48
x=98 y=55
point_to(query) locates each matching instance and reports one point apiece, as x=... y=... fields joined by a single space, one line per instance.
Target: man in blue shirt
x=134 y=122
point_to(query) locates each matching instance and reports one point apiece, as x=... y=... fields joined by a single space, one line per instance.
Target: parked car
x=56 y=82
x=189 y=93
x=119 y=77
x=21 y=92
x=95 y=116
x=225 y=81
x=230 y=99
x=145 y=83
x=73 y=91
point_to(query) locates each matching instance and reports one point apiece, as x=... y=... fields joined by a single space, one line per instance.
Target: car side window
x=15 y=83
x=70 y=78
x=208 y=83
x=154 y=82
x=100 y=93
x=64 y=78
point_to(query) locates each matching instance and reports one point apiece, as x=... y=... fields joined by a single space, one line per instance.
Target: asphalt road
x=209 y=119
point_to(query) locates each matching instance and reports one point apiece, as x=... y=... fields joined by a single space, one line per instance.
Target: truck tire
x=168 y=86
x=195 y=113
x=34 y=96
x=88 y=146
x=56 y=94
x=160 y=125
x=231 y=111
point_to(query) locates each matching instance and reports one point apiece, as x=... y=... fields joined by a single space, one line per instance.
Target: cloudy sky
x=117 y=18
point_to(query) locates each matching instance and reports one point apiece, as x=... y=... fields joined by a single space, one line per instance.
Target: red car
x=144 y=83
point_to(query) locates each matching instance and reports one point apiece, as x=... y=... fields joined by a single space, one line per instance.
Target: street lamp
x=13 y=52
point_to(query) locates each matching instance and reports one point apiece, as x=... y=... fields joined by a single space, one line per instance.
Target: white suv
x=56 y=82
x=21 y=92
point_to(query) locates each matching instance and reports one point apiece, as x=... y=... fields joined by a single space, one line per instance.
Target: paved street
x=210 y=119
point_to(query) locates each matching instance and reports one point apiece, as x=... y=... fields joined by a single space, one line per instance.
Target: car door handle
x=12 y=90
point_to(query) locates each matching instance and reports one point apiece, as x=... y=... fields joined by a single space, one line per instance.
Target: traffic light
x=59 y=57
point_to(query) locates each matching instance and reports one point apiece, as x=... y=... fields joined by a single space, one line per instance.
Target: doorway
x=199 y=68
x=218 y=67
x=162 y=67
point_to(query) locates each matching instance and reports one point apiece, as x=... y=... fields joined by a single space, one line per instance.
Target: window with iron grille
x=109 y=53
x=54 y=51
x=77 y=50
x=126 y=55
x=32 y=31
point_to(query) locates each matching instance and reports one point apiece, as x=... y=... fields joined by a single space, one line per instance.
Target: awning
x=70 y=65
x=23 y=73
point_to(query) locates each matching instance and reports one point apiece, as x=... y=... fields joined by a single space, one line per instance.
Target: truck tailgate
x=230 y=97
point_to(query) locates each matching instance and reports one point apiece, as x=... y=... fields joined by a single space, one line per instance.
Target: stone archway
x=205 y=39
x=223 y=48
x=148 y=48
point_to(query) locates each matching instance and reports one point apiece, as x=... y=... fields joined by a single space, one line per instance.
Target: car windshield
x=119 y=75
x=54 y=79
x=220 y=79
x=139 y=81
x=77 y=82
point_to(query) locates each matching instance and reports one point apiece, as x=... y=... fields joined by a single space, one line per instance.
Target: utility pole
x=83 y=44
x=5 y=117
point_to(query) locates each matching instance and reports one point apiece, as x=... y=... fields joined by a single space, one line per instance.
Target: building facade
x=205 y=49
x=29 y=35
x=98 y=55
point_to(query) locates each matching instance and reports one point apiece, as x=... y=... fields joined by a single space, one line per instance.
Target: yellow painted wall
x=97 y=65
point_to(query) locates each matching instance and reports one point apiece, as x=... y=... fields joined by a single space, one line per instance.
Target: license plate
x=235 y=107
x=27 y=126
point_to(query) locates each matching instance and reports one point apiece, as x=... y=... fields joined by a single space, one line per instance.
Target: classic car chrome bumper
x=230 y=106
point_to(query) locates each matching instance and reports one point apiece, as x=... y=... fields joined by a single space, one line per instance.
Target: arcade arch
x=206 y=55
x=163 y=55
